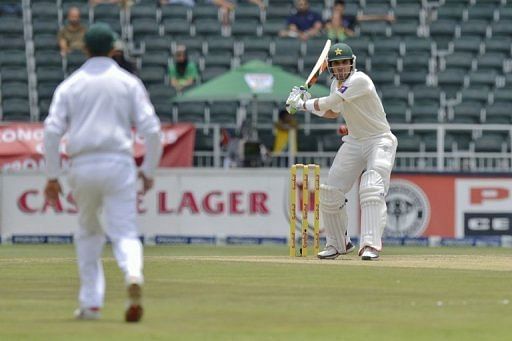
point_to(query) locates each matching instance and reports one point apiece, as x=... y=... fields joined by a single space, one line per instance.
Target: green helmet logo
x=340 y=51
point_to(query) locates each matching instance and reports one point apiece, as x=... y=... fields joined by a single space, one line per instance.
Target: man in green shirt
x=182 y=72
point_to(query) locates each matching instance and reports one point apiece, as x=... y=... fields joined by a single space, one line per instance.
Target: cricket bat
x=320 y=66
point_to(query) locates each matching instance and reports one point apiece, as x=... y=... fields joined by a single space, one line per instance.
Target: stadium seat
x=176 y=12
x=212 y=72
x=377 y=29
x=223 y=112
x=176 y=26
x=187 y=109
x=502 y=28
x=48 y=58
x=503 y=94
x=152 y=75
x=271 y=27
x=45 y=26
x=476 y=93
x=160 y=92
x=474 y=28
x=408 y=143
x=385 y=60
x=425 y=112
x=396 y=110
x=451 y=11
x=247 y=12
x=498 y=44
x=14 y=90
x=245 y=27
x=143 y=10
x=218 y=58
x=14 y=42
x=461 y=138
x=386 y=45
x=261 y=44
x=103 y=11
x=412 y=76
x=144 y=27
x=407 y=11
x=157 y=43
x=44 y=42
x=207 y=27
x=490 y=143
x=383 y=76
x=45 y=90
x=481 y=11
x=418 y=45
x=15 y=107
x=491 y=60
x=416 y=60
x=423 y=92
x=10 y=73
x=459 y=60
x=498 y=113
x=359 y=45
x=467 y=112
x=11 y=26
x=221 y=44
x=400 y=92
x=468 y=43
x=49 y=74
x=45 y=9
x=204 y=11
x=483 y=78
x=15 y=58
x=155 y=58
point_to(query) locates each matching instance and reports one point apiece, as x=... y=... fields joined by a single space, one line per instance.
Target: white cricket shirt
x=360 y=106
x=98 y=105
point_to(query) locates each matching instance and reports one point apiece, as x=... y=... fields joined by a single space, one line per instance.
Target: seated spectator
x=182 y=72
x=71 y=36
x=342 y=26
x=304 y=24
x=119 y=57
x=122 y=3
x=11 y=9
x=226 y=6
x=188 y=3
x=286 y=130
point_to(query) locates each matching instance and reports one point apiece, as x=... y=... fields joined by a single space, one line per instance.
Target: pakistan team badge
x=408 y=210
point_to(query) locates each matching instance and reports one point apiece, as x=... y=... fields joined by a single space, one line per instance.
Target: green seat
x=467 y=112
x=452 y=76
x=191 y=108
x=155 y=59
x=221 y=44
x=174 y=11
x=48 y=58
x=15 y=90
x=142 y=27
x=286 y=46
x=416 y=60
x=424 y=92
x=272 y=27
x=502 y=28
x=461 y=60
x=15 y=58
x=218 y=58
x=163 y=108
x=176 y=26
x=405 y=28
x=442 y=28
x=49 y=74
x=468 y=43
x=204 y=142
x=260 y=44
x=383 y=76
x=498 y=44
x=503 y=94
x=412 y=77
x=44 y=10
x=474 y=27
x=407 y=11
x=45 y=90
x=374 y=28
x=14 y=42
x=44 y=42
x=143 y=10
x=15 y=74
x=386 y=45
x=152 y=75
x=386 y=60
x=396 y=110
x=11 y=26
x=476 y=93
x=490 y=143
x=483 y=78
x=491 y=60
x=103 y=11
x=499 y=113
x=161 y=92
x=400 y=92
x=245 y=27
x=451 y=11
x=425 y=112
x=212 y=72
x=204 y=11
x=417 y=45
x=359 y=45
x=207 y=27
x=409 y=143
x=19 y=107
x=481 y=11
x=45 y=26
x=157 y=43
x=247 y=12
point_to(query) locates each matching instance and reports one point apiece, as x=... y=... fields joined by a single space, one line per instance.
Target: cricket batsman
x=369 y=148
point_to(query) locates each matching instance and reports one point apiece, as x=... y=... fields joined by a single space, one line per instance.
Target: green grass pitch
x=259 y=293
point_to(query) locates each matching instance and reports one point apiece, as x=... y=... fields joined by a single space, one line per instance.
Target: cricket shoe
x=93 y=313
x=134 y=310
x=331 y=253
x=369 y=253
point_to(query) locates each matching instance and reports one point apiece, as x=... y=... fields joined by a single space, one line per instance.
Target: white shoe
x=349 y=248
x=369 y=253
x=329 y=253
x=92 y=313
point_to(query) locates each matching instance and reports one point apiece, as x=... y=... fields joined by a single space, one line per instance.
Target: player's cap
x=340 y=51
x=99 y=38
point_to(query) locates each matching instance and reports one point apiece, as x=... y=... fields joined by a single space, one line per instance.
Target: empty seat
x=176 y=26
x=221 y=44
x=481 y=11
x=15 y=58
x=442 y=28
x=400 y=92
x=18 y=107
x=469 y=44
x=160 y=92
x=206 y=27
x=503 y=94
x=499 y=113
x=218 y=58
x=10 y=73
x=175 y=11
x=405 y=28
x=386 y=45
x=143 y=27
x=483 y=78
x=474 y=27
x=15 y=90
x=416 y=60
x=49 y=74
x=43 y=42
x=498 y=44
x=408 y=143
x=104 y=11
x=426 y=93
x=143 y=10
x=461 y=140
x=44 y=10
x=425 y=112
x=246 y=27
x=417 y=44
x=212 y=72
x=157 y=43
x=467 y=112
x=385 y=60
x=491 y=142
x=191 y=108
x=396 y=110
x=223 y=112
x=11 y=26
x=204 y=11
x=491 y=60
x=45 y=26
x=461 y=60
x=411 y=76
x=155 y=59
x=476 y=93
x=502 y=28
x=152 y=75
x=374 y=28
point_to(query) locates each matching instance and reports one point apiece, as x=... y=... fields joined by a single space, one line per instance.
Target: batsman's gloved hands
x=296 y=99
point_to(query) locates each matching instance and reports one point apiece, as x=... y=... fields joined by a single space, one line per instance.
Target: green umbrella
x=253 y=80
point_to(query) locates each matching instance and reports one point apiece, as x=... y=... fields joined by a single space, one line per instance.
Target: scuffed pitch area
x=457 y=262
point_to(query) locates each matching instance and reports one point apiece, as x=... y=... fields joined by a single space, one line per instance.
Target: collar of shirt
x=99 y=62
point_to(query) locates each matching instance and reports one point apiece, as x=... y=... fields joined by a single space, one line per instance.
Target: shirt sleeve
x=55 y=125
x=192 y=71
x=147 y=125
x=354 y=88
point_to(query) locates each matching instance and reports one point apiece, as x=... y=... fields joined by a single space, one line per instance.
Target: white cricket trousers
x=105 y=183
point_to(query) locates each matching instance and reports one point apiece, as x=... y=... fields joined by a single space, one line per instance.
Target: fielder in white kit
x=98 y=105
x=369 y=148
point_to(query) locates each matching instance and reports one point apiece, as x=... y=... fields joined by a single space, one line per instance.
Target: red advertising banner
x=21 y=146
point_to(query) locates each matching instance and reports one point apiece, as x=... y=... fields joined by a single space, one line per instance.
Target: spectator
x=119 y=57
x=71 y=36
x=226 y=6
x=286 y=130
x=304 y=24
x=182 y=72
x=342 y=26
x=122 y=3
x=11 y=9
x=188 y=3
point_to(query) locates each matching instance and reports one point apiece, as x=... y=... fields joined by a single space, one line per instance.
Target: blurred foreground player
x=369 y=148
x=97 y=106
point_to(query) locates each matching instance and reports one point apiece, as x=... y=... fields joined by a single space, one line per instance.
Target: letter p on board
x=481 y=194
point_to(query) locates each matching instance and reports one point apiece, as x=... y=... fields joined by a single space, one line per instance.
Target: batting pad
x=334 y=214
x=373 y=209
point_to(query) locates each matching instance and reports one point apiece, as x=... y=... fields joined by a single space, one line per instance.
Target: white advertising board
x=185 y=202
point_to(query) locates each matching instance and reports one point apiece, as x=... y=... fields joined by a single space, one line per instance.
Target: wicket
x=304 y=208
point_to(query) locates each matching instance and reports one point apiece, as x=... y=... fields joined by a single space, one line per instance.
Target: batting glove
x=296 y=99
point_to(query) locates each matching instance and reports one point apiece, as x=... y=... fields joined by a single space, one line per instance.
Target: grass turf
x=220 y=293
